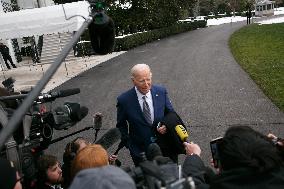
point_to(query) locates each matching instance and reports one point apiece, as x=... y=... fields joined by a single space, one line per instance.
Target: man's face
x=143 y=81
x=54 y=174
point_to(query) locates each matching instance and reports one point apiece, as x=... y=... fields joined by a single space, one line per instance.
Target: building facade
x=264 y=8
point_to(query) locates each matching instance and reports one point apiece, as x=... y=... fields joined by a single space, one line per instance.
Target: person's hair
x=139 y=67
x=43 y=163
x=69 y=154
x=244 y=147
x=90 y=157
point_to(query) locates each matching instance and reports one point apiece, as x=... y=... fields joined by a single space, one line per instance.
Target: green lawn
x=259 y=49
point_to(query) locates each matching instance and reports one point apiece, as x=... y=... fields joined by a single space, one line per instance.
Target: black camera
x=35 y=132
x=159 y=172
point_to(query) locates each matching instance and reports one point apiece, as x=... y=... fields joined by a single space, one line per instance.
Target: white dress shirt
x=148 y=100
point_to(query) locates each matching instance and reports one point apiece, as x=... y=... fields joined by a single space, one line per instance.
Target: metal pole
x=21 y=111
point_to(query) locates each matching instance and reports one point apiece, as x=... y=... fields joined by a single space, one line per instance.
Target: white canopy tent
x=46 y=20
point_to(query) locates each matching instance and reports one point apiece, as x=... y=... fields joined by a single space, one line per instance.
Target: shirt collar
x=140 y=95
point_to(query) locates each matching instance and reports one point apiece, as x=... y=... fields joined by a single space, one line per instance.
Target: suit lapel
x=155 y=97
x=136 y=102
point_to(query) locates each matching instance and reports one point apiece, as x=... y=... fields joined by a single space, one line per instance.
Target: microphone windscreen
x=109 y=138
x=102 y=36
x=153 y=151
x=97 y=119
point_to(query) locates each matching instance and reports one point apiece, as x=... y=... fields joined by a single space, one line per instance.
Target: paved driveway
x=207 y=87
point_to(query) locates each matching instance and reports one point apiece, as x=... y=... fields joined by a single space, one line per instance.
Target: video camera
x=156 y=171
x=36 y=129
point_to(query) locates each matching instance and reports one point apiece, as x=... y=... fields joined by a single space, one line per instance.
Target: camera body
x=154 y=175
x=35 y=132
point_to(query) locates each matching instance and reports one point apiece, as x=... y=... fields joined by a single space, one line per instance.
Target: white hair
x=139 y=67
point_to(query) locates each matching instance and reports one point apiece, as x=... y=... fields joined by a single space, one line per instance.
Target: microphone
x=46 y=96
x=97 y=120
x=101 y=30
x=154 y=153
x=109 y=138
x=64 y=93
x=182 y=133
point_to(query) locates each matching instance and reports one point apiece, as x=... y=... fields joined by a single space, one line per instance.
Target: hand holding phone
x=215 y=145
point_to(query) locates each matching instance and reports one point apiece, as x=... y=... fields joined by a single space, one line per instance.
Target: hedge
x=137 y=39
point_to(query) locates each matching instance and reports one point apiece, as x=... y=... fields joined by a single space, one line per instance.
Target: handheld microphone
x=109 y=138
x=182 y=133
x=97 y=120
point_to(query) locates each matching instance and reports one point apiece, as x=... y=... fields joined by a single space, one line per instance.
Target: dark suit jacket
x=129 y=110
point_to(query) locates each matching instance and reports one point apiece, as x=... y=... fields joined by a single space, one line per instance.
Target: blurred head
x=49 y=170
x=244 y=147
x=91 y=156
x=72 y=148
x=109 y=177
x=141 y=76
x=78 y=144
x=9 y=177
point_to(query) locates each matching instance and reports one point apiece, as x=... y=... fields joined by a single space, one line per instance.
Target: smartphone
x=214 y=145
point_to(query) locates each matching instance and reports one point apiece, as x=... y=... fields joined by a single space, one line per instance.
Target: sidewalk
x=27 y=75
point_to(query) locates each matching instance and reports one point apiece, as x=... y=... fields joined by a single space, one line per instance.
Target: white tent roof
x=46 y=20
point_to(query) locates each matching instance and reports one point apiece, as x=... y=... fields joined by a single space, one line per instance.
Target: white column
x=11 y=51
x=1 y=7
x=2 y=63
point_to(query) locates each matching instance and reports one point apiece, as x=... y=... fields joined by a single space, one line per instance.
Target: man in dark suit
x=139 y=110
x=4 y=50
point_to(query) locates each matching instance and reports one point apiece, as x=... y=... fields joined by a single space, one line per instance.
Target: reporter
x=91 y=156
x=49 y=172
x=248 y=160
x=193 y=166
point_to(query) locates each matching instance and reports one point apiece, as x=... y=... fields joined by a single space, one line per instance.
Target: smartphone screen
x=215 y=151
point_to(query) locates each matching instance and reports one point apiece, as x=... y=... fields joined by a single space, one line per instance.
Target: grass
x=259 y=49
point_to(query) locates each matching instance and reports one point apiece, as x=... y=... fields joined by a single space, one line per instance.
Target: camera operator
x=49 y=173
x=248 y=160
x=9 y=176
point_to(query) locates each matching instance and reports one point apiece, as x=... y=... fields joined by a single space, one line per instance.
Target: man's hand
x=162 y=129
x=192 y=148
x=112 y=159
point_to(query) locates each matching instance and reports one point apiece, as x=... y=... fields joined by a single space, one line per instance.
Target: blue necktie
x=146 y=111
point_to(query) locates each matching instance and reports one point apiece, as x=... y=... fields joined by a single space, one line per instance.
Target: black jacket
x=239 y=178
x=246 y=178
